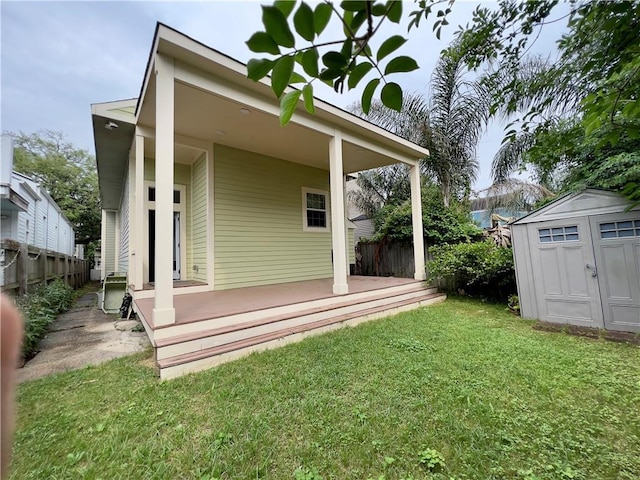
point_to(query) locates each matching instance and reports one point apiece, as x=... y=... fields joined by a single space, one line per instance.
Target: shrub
x=481 y=268
x=39 y=309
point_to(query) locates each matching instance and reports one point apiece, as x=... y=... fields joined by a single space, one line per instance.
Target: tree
x=380 y=187
x=67 y=173
x=448 y=124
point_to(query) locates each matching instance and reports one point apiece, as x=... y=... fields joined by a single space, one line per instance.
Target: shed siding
x=123 y=217
x=524 y=275
x=110 y=242
x=259 y=239
x=197 y=262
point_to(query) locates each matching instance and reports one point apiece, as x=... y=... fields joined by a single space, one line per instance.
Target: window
x=152 y=195
x=314 y=211
x=628 y=228
x=559 y=234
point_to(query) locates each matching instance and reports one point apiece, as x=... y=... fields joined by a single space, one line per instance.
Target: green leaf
x=378 y=9
x=262 y=42
x=367 y=94
x=394 y=12
x=334 y=60
x=390 y=45
x=310 y=62
x=288 y=105
x=357 y=73
x=258 y=68
x=297 y=78
x=285 y=6
x=282 y=72
x=347 y=49
x=329 y=74
x=358 y=20
x=321 y=16
x=401 y=64
x=303 y=21
x=307 y=94
x=276 y=25
x=353 y=5
x=391 y=96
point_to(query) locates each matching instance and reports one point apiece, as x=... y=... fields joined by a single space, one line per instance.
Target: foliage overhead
x=67 y=173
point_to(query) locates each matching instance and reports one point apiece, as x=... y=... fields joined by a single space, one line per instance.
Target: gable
x=588 y=202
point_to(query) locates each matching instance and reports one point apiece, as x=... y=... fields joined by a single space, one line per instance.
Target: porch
x=218 y=326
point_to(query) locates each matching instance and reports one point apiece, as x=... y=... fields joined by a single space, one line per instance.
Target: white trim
x=211 y=217
x=305 y=226
x=180 y=208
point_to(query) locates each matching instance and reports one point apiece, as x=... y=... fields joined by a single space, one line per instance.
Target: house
x=577 y=261
x=29 y=214
x=230 y=228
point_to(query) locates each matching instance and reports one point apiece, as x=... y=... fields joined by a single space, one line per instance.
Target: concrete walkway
x=83 y=336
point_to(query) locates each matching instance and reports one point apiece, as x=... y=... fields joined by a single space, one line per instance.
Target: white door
x=616 y=238
x=176 y=245
x=563 y=266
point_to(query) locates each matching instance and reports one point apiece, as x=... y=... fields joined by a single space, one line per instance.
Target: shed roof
x=591 y=201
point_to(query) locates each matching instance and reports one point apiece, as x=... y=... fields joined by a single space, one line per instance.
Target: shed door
x=563 y=264
x=616 y=238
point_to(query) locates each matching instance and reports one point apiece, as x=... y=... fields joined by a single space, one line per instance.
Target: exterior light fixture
x=245 y=111
x=111 y=125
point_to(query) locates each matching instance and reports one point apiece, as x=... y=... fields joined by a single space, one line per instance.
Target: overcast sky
x=57 y=58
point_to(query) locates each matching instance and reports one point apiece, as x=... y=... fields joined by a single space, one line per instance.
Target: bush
x=39 y=309
x=482 y=268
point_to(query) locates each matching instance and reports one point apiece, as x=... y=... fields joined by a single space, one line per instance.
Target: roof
x=591 y=201
x=210 y=90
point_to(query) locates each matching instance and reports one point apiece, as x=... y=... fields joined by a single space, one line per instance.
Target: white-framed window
x=559 y=234
x=315 y=210
x=628 y=228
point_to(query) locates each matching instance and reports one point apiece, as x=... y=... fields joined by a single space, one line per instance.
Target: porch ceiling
x=206 y=116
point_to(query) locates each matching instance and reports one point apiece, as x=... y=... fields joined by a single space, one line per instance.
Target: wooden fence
x=387 y=259
x=24 y=265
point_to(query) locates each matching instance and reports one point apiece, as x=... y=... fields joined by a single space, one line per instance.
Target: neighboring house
x=29 y=215
x=227 y=224
x=481 y=211
x=577 y=261
x=364 y=227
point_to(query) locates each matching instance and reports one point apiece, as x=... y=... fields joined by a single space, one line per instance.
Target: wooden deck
x=214 y=327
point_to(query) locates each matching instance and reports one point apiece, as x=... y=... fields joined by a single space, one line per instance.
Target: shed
x=577 y=261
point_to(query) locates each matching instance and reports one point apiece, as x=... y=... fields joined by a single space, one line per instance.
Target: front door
x=567 y=291
x=616 y=240
x=176 y=245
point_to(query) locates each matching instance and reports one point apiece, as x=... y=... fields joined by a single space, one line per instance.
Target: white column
x=133 y=226
x=416 y=215
x=163 y=311
x=338 y=234
x=103 y=243
x=139 y=237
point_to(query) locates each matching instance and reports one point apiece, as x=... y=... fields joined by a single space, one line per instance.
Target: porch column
x=338 y=234
x=416 y=215
x=163 y=311
x=138 y=215
x=133 y=226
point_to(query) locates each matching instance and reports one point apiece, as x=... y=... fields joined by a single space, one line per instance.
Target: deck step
x=168 y=365
x=268 y=318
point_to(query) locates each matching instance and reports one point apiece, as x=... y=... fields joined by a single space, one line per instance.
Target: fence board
x=387 y=259
x=26 y=265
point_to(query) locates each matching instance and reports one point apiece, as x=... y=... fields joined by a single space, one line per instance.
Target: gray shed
x=577 y=261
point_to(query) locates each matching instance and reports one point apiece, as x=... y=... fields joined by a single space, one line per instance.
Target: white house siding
x=198 y=260
x=109 y=242
x=259 y=236
x=123 y=217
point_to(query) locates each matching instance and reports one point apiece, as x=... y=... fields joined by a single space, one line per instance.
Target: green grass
x=461 y=383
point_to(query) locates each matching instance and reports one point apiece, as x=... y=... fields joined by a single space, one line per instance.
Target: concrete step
x=181 y=364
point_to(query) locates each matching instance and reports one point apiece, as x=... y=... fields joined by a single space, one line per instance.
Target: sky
x=57 y=58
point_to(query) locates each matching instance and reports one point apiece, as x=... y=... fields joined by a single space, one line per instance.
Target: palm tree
x=449 y=124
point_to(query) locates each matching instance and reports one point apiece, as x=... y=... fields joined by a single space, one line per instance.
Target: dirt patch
x=84 y=335
x=588 y=332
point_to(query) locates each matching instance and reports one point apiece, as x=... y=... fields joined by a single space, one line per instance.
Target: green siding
x=259 y=237
x=199 y=221
x=182 y=176
x=110 y=242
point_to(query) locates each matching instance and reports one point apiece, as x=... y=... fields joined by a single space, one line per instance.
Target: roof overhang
x=11 y=201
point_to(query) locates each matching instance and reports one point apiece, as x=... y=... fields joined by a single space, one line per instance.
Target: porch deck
x=216 y=327
x=194 y=307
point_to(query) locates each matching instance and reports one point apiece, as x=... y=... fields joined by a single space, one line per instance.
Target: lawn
x=459 y=390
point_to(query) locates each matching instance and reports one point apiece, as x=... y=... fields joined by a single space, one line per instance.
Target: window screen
x=628 y=228
x=559 y=234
